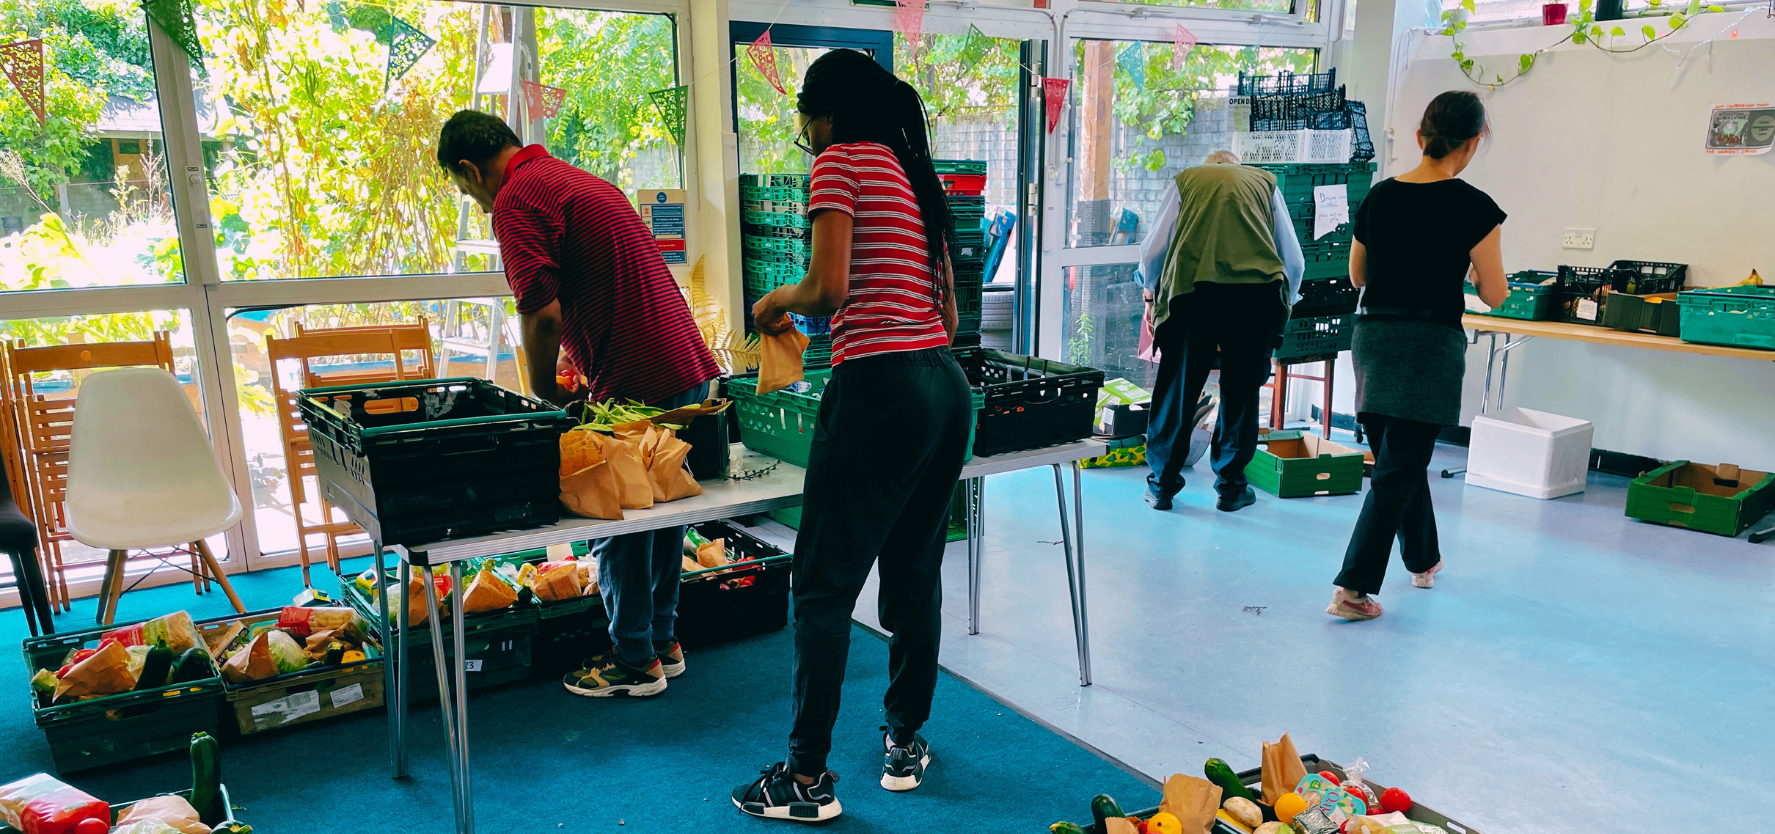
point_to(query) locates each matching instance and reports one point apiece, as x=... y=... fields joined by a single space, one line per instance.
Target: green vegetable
x=155 y=669
x=1065 y=828
x=44 y=681
x=1220 y=773
x=287 y=653
x=206 y=779
x=193 y=665
x=335 y=654
x=608 y=415
x=1102 y=808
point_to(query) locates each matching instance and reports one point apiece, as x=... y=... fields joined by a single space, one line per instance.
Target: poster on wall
x=1741 y=129
x=663 y=212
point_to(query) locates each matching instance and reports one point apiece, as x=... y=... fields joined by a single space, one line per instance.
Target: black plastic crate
x=1287 y=83
x=1314 y=336
x=1326 y=297
x=1583 y=290
x=1299 y=106
x=417 y=462
x=1030 y=402
x=716 y=605
x=1361 y=144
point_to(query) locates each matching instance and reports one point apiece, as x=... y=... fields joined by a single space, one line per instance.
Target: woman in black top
x=1418 y=236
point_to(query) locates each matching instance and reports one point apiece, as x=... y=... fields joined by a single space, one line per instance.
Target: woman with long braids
x=893 y=426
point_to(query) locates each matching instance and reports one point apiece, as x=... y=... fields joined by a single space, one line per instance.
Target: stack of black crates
x=1313 y=101
x=1324 y=319
x=964 y=181
x=775 y=245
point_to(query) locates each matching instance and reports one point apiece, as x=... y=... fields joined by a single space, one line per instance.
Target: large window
x=83 y=191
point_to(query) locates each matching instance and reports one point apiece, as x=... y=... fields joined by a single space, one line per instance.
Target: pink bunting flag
x=764 y=57
x=1054 y=93
x=23 y=63
x=1182 y=41
x=909 y=19
x=543 y=99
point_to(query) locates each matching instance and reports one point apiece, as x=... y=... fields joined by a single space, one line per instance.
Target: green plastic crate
x=1659 y=313
x=798 y=181
x=1326 y=259
x=123 y=727
x=775 y=206
x=313 y=694
x=501 y=640
x=1528 y=300
x=1297 y=181
x=775 y=218
x=1701 y=497
x=1737 y=316
x=1314 y=336
x=1291 y=464
x=752 y=244
x=780 y=424
x=959 y=166
x=768 y=193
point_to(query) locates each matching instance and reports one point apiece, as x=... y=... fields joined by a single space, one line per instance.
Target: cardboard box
x=1654 y=313
x=1122 y=409
x=1720 y=499
x=1291 y=464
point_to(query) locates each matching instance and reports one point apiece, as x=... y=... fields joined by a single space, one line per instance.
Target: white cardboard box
x=1528 y=452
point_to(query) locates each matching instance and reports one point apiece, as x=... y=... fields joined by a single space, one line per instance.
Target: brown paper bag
x=316 y=647
x=488 y=592
x=712 y=554
x=687 y=564
x=588 y=483
x=417 y=608
x=668 y=474
x=779 y=362
x=1119 y=825
x=634 y=489
x=251 y=663
x=104 y=673
x=556 y=581
x=174 y=811
x=1282 y=770
x=1192 y=801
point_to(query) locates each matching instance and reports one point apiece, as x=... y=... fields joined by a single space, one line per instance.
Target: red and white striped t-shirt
x=892 y=303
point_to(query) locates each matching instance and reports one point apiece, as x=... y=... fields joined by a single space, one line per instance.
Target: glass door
x=764 y=119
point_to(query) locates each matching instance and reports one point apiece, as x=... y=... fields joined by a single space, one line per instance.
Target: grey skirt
x=1411 y=370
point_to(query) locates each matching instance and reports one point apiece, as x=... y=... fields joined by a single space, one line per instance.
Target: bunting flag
x=1182 y=41
x=672 y=104
x=909 y=19
x=973 y=51
x=175 y=18
x=406 y=45
x=1133 y=62
x=23 y=63
x=543 y=101
x=1054 y=93
x=764 y=57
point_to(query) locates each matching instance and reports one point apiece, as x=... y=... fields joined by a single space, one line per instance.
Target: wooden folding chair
x=398 y=340
x=44 y=425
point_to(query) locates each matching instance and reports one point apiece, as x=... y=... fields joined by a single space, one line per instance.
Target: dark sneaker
x=1236 y=501
x=671 y=660
x=778 y=796
x=902 y=769
x=1160 y=499
x=608 y=677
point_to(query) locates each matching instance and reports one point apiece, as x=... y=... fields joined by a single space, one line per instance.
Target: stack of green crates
x=774 y=244
x=1327 y=258
x=969 y=255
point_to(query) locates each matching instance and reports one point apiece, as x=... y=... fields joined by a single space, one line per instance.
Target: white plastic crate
x=1528 y=452
x=1281 y=146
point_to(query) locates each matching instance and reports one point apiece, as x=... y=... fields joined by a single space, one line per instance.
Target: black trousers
x=1397 y=506
x=1239 y=323
x=887 y=451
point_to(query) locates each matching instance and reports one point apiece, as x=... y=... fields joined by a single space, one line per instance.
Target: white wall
x=1613 y=143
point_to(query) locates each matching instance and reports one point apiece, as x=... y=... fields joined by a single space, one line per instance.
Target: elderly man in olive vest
x=1220 y=267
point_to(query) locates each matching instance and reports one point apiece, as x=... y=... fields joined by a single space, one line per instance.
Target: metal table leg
x=1486 y=405
x=1078 y=520
x=1072 y=584
x=444 y=702
x=466 y=780
x=398 y=702
x=971 y=489
x=397 y=753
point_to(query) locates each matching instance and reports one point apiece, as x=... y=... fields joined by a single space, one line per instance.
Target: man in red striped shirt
x=589 y=280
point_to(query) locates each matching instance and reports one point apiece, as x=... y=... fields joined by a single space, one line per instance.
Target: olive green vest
x=1224 y=233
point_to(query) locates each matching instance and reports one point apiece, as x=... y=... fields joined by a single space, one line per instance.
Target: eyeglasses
x=801 y=139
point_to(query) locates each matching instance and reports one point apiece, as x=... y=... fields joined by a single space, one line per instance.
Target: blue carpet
x=548 y=761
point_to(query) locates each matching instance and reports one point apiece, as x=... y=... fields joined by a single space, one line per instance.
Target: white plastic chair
x=141 y=475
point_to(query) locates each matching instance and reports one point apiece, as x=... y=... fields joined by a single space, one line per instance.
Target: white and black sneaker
x=777 y=795
x=902 y=769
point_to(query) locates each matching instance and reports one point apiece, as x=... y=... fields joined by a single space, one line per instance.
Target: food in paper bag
x=488 y=592
x=172 y=812
x=43 y=803
x=252 y=662
x=712 y=554
x=687 y=564
x=589 y=487
x=1282 y=769
x=287 y=654
x=302 y=622
x=1192 y=801
x=779 y=359
x=629 y=464
x=1244 y=811
x=667 y=471
x=556 y=581
x=104 y=672
x=175 y=631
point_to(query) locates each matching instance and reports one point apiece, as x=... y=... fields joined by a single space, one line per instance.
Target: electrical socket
x=1579 y=239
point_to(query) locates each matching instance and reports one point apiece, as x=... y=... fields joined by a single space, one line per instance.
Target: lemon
x=1164 y=823
x=1288 y=805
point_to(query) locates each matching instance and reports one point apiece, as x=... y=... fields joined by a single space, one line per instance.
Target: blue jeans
x=638 y=576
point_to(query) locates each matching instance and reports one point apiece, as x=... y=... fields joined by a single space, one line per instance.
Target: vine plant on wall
x=1584 y=30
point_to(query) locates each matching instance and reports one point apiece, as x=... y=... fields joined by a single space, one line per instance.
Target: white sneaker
x=1427 y=579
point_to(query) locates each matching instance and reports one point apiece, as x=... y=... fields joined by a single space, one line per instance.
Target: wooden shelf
x=1605 y=336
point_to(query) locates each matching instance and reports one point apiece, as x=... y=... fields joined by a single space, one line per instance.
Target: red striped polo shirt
x=568 y=236
x=892 y=303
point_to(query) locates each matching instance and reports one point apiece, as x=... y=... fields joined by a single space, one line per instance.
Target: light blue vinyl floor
x=1573 y=670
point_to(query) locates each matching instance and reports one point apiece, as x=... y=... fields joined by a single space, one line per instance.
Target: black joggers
x=1397 y=506
x=892 y=434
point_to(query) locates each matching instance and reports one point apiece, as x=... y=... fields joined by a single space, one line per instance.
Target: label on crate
x=1587 y=309
x=346 y=695
x=1331 y=208
x=471 y=665
x=285 y=710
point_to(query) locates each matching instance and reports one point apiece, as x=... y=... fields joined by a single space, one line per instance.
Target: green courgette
x=193 y=665
x=155 y=668
x=206 y=779
x=1065 y=828
x=335 y=654
x=1102 y=808
x=1221 y=773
